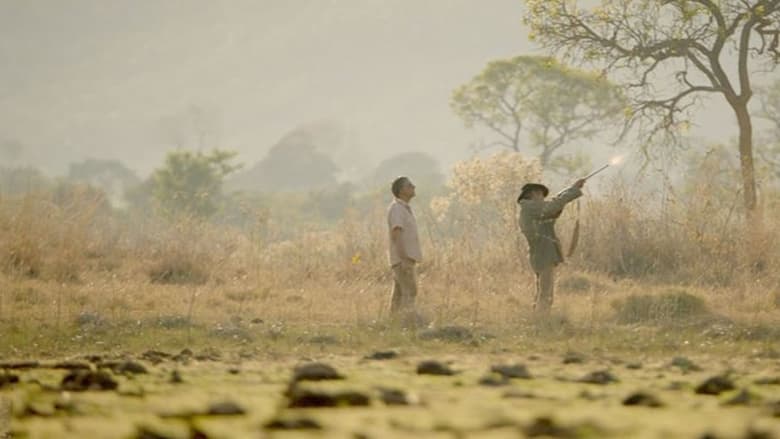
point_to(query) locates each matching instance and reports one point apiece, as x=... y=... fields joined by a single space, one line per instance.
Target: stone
x=394 y=397
x=685 y=365
x=6 y=379
x=715 y=385
x=601 y=377
x=83 y=380
x=382 y=355
x=293 y=424
x=494 y=379
x=315 y=372
x=511 y=371
x=307 y=398
x=225 y=408
x=573 y=358
x=432 y=367
x=642 y=399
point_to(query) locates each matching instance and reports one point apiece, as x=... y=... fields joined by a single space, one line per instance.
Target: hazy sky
x=99 y=78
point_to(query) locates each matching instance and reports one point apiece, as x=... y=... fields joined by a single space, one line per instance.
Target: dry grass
x=67 y=260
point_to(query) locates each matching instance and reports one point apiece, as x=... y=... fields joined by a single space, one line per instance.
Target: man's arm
x=395 y=236
x=395 y=221
x=552 y=208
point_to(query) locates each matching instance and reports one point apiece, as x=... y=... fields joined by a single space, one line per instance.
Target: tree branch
x=770 y=8
x=715 y=11
x=490 y=124
x=643 y=82
x=706 y=71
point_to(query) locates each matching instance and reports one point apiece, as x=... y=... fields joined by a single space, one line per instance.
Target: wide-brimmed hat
x=528 y=187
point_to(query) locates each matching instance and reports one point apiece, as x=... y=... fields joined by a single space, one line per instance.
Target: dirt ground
x=499 y=393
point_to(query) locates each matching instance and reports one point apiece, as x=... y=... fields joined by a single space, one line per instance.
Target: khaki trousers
x=404 y=288
x=545 y=285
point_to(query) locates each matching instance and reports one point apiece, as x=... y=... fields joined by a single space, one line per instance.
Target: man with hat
x=537 y=222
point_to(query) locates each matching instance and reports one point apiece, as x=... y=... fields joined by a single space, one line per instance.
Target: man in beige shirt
x=404 y=249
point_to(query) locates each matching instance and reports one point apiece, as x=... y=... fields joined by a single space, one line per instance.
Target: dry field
x=665 y=291
x=451 y=382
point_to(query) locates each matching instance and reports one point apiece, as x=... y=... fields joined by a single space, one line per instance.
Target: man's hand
x=579 y=183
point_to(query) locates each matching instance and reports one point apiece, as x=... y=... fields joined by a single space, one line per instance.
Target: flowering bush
x=479 y=212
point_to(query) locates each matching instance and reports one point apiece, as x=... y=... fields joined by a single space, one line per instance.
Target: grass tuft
x=667 y=307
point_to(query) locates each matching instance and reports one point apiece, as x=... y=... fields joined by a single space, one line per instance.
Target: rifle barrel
x=596 y=171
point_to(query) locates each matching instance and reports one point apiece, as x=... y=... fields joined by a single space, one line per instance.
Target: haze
x=101 y=79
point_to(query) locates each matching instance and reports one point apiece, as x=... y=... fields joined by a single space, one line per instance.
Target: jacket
x=537 y=222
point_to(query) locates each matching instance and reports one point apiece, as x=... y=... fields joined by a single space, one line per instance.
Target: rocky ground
x=389 y=393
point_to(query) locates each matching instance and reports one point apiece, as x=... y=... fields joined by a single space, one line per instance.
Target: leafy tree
x=191 y=183
x=420 y=167
x=337 y=142
x=539 y=98
x=84 y=199
x=110 y=176
x=330 y=203
x=141 y=196
x=22 y=180
x=669 y=54
x=295 y=163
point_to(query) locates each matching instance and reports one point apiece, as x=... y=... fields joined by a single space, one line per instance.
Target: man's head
x=403 y=188
x=533 y=191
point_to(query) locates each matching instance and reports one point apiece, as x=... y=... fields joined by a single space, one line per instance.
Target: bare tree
x=645 y=43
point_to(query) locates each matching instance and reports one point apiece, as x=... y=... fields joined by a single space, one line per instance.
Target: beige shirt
x=399 y=215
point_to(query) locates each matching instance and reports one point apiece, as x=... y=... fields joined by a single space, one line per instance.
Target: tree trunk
x=746 y=159
x=755 y=239
x=544 y=157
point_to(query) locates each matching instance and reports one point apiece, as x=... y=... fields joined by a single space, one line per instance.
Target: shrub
x=177 y=269
x=184 y=252
x=22 y=256
x=171 y=321
x=575 y=283
x=190 y=184
x=667 y=307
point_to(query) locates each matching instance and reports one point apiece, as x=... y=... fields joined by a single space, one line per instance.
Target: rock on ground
x=225 y=408
x=601 y=377
x=432 y=367
x=511 y=370
x=293 y=424
x=306 y=398
x=642 y=399
x=382 y=355
x=315 y=372
x=715 y=385
x=82 y=380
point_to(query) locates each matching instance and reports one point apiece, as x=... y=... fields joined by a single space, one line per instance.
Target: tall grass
x=69 y=254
